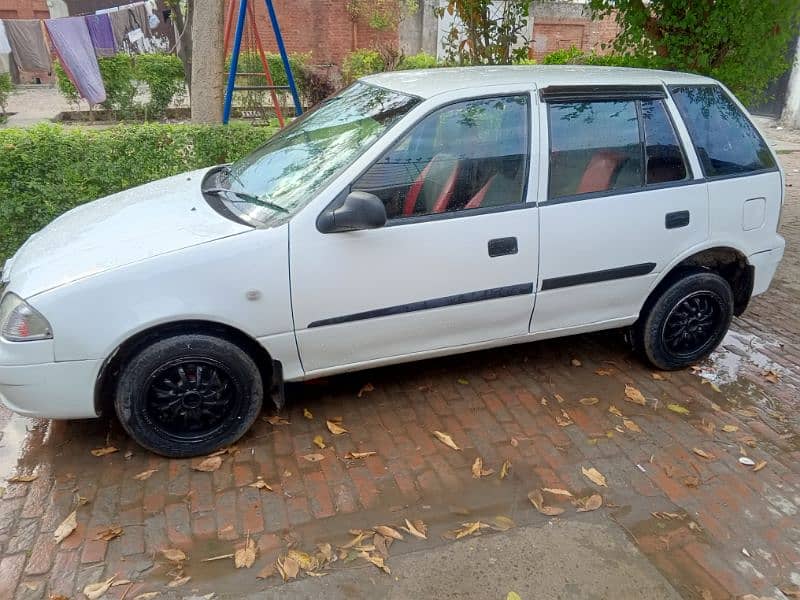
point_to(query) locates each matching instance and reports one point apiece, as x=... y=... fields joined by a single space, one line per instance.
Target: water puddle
x=740 y=351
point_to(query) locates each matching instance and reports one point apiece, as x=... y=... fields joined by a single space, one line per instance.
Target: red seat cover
x=445 y=195
x=599 y=172
x=478 y=198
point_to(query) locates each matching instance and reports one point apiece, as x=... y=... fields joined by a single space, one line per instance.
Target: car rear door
x=622 y=199
x=456 y=264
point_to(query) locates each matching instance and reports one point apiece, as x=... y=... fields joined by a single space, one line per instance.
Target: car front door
x=623 y=199
x=456 y=263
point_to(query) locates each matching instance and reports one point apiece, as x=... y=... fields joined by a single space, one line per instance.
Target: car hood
x=124 y=228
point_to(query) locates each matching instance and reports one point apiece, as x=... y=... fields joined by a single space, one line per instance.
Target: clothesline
x=78 y=42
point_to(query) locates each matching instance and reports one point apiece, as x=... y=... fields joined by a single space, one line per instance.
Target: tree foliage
x=485 y=32
x=382 y=15
x=743 y=43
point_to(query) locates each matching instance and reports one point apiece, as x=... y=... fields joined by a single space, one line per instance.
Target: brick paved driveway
x=736 y=530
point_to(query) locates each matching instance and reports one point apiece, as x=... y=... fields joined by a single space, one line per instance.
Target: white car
x=415 y=214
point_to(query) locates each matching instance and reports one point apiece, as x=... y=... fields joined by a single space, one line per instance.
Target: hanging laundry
x=152 y=18
x=5 y=51
x=129 y=25
x=72 y=43
x=27 y=44
x=101 y=34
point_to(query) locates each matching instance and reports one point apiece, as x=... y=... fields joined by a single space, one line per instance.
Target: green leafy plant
x=485 y=32
x=48 y=169
x=360 y=63
x=382 y=15
x=163 y=74
x=6 y=87
x=422 y=60
x=740 y=42
x=575 y=56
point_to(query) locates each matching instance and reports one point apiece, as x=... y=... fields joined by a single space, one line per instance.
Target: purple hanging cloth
x=72 y=43
x=102 y=35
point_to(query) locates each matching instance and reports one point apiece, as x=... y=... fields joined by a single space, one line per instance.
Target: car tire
x=189 y=395
x=686 y=322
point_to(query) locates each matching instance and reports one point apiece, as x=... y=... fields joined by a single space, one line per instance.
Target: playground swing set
x=246 y=35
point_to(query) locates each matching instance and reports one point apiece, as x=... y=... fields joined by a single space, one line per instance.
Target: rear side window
x=595 y=146
x=663 y=153
x=726 y=141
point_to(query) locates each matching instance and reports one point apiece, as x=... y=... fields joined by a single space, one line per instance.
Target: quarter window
x=462 y=157
x=663 y=151
x=594 y=147
x=726 y=141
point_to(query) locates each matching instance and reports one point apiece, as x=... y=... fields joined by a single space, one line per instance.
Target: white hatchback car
x=415 y=214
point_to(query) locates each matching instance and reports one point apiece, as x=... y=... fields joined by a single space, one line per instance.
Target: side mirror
x=360 y=210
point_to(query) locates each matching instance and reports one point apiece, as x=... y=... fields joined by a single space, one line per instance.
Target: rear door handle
x=502 y=246
x=677 y=219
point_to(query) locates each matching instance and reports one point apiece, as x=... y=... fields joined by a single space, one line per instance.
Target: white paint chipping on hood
x=131 y=226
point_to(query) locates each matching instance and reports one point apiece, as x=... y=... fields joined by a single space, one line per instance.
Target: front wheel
x=686 y=322
x=189 y=395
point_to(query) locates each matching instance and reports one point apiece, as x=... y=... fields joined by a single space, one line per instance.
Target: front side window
x=726 y=141
x=287 y=172
x=465 y=156
x=595 y=146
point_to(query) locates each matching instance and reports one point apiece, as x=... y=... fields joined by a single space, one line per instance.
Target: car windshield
x=283 y=175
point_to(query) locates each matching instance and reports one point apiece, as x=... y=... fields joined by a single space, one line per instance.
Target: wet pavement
x=712 y=527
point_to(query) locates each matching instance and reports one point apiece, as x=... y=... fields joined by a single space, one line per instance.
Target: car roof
x=430 y=82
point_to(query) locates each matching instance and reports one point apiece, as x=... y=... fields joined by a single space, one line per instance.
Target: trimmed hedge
x=49 y=169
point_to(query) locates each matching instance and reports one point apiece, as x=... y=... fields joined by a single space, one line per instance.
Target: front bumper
x=765 y=264
x=53 y=390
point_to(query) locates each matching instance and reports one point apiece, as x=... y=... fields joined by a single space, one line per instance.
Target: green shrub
x=163 y=74
x=49 y=169
x=422 y=60
x=360 y=63
x=574 y=56
x=6 y=87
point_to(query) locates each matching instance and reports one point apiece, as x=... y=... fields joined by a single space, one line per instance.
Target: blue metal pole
x=298 y=108
x=237 y=45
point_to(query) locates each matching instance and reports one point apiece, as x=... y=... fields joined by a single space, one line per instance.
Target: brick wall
x=24 y=9
x=559 y=25
x=322 y=27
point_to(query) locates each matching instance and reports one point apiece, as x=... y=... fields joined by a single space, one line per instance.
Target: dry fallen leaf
x=244 y=558
x=94 y=590
x=703 y=453
x=745 y=412
x=375 y=560
x=513 y=596
x=335 y=428
x=104 y=451
x=287 y=567
x=463 y=381
x=557 y=492
x=604 y=372
x=357 y=455
x=67 y=526
x=276 y=420
x=564 y=420
x=730 y=428
x=514 y=442
x=691 y=481
x=538 y=502
x=22 y=478
x=179 y=581
x=314 y=457
x=365 y=389
x=594 y=476
x=505 y=469
x=560 y=398
x=759 y=465
x=304 y=560
x=388 y=532
x=416 y=528
x=478 y=471
x=146 y=596
x=615 y=411
x=591 y=401
x=319 y=442
x=576 y=363
x=502 y=523
x=260 y=484
x=634 y=395
x=677 y=408
x=708 y=427
x=145 y=474
x=631 y=425
x=658 y=376
x=109 y=534
x=209 y=464
x=307 y=414
x=446 y=440
x=667 y=515
x=174 y=554
x=468 y=529
x=771 y=375
x=593 y=502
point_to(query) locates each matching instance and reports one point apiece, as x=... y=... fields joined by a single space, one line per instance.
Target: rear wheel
x=189 y=395
x=686 y=322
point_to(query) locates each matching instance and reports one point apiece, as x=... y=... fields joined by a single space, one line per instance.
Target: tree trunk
x=183 y=36
x=208 y=61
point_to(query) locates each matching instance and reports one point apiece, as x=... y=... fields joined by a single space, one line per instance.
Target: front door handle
x=677 y=219
x=502 y=246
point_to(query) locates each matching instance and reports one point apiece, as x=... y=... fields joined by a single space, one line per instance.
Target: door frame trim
x=520 y=289
x=553 y=283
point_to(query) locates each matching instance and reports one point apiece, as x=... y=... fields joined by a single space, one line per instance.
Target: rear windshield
x=726 y=142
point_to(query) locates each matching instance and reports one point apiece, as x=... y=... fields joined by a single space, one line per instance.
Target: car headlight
x=20 y=322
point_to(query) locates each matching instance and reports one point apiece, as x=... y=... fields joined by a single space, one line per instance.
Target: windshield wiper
x=246 y=197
